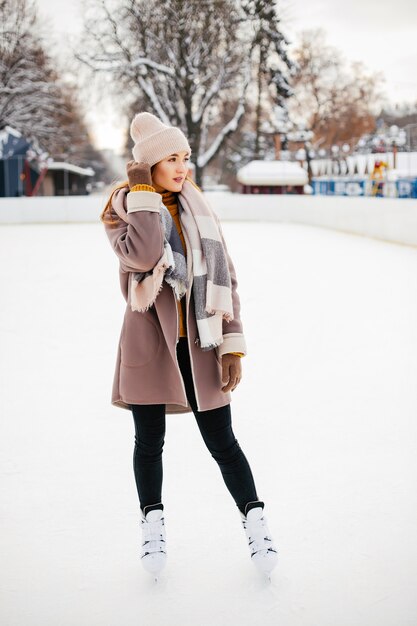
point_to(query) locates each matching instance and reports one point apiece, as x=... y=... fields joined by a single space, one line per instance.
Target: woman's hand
x=231 y=371
x=138 y=173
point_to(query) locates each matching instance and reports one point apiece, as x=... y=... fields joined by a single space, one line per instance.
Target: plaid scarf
x=208 y=266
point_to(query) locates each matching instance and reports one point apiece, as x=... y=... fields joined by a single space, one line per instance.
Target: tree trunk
x=199 y=175
x=258 y=114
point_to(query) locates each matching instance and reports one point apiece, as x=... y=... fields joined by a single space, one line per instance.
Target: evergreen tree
x=273 y=67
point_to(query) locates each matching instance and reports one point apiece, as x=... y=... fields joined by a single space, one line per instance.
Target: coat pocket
x=140 y=340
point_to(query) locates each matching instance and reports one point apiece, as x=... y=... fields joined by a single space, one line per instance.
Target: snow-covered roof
x=61 y=165
x=8 y=130
x=272 y=173
x=11 y=143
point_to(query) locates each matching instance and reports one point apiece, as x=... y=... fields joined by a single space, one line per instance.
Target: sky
x=380 y=34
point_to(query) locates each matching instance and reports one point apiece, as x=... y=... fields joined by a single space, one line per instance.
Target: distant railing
x=364 y=186
x=389 y=219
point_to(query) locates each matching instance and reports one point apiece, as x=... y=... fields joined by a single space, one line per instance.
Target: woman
x=181 y=341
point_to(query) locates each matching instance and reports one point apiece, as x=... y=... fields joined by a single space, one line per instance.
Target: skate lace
x=258 y=536
x=153 y=537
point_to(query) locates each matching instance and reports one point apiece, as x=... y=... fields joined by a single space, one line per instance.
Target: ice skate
x=264 y=555
x=153 y=556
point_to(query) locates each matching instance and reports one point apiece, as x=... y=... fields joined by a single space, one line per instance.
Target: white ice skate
x=153 y=555
x=263 y=552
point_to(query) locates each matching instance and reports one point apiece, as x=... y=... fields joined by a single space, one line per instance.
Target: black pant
x=216 y=429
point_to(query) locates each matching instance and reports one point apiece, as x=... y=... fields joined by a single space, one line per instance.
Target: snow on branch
x=230 y=127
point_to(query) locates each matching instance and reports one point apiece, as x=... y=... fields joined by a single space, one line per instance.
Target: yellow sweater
x=169 y=199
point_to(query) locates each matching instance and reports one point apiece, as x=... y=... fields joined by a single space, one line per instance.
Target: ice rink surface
x=326 y=414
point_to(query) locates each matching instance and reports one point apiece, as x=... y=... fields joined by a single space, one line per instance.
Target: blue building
x=26 y=170
x=16 y=174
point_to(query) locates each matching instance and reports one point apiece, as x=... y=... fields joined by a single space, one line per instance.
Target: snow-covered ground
x=326 y=414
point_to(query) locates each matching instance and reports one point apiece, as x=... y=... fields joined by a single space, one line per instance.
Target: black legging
x=216 y=429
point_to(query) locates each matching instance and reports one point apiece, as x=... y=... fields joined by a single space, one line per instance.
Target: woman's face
x=171 y=171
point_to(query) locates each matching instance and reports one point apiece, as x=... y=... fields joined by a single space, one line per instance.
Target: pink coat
x=147 y=370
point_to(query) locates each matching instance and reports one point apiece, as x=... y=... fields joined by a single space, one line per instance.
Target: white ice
x=325 y=413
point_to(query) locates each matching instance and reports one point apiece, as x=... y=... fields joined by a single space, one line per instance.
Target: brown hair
x=108 y=215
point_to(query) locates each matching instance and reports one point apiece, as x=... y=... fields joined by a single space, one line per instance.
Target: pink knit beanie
x=154 y=140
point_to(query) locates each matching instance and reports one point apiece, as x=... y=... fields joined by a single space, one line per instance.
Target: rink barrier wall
x=389 y=219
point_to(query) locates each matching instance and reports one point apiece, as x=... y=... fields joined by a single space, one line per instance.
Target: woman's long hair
x=108 y=215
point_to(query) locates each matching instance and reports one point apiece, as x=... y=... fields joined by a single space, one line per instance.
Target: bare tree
x=338 y=101
x=32 y=99
x=28 y=95
x=183 y=61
